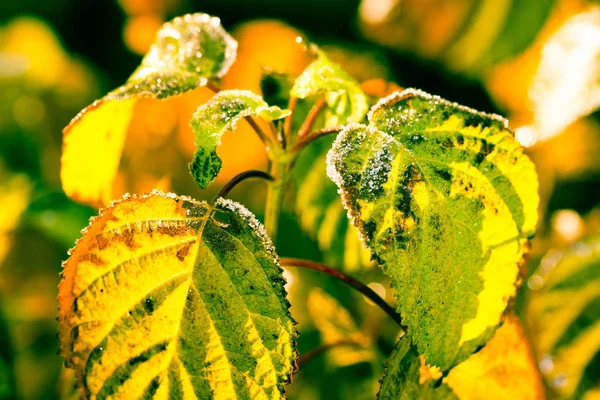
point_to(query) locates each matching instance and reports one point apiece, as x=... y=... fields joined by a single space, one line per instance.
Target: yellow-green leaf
x=345 y=99
x=323 y=216
x=217 y=116
x=336 y=326
x=167 y=296
x=406 y=377
x=317 y=203
x=563 y=312
x=446 y=200
x=187 y=53
x=504 y=369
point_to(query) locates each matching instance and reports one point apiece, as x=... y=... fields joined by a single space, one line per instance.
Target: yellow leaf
x=504 y=369
x=188 y=51
x=169 y=296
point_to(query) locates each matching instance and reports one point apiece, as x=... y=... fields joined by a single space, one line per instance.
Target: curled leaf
x=187 y=53
x=217 y=116
x=446 y=200
x=169 y=296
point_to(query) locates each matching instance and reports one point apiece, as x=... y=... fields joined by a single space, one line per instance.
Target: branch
x=305 y=358
x=287 y=125
x=312 y=116
x=241 y=177
x=266 y=139
x=348 y=280
x=309 y=138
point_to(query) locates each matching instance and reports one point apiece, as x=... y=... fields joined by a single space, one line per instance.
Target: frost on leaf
x=446 y=200
x=219 y=115
x=345 y=100
x=187 y=53
x=318 y=205
x=563 y=313
x=163 y=297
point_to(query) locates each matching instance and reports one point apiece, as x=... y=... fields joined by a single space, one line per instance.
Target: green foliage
x=219 y=115
x=188 y=51
x=564 y=314
x=317 y=202
x=403 y=379
x=444 y=198
x=345 y=100
x=166 y=294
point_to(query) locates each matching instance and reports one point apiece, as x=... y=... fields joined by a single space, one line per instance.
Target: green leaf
x=406 y=377
x=169 y=296
x=446 y=200
x=322 y=215
x=563 y=312
x=317 y=203
x=217 y=116
x=345 y=99
x=188 y=52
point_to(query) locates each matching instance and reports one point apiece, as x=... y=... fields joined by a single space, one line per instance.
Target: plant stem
x=309 y=138
x=242 y=177
x=287 y=125
x=348 y=280
x=275 y=198
x=305 y=358
x=312 y=117
x=266 y=139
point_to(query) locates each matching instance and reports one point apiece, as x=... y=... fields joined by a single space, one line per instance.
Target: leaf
x=505 y=367
x=407 y=377
x=336 y=325
x=317 y=203
x=345 y=99
x=188 y=51
x=217 y=116
x=566 y=84
x=167 y=295
x=322 y=214
x=446 y=200
x=563 y=313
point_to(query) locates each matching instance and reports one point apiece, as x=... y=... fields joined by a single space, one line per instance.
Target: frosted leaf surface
x=162 y=298
x=319 y=208
x=187 y=53
x=217 y=116
x=345 y=99
x=446 y=200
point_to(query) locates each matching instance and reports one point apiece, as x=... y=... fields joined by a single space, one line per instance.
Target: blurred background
x=535 y=62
